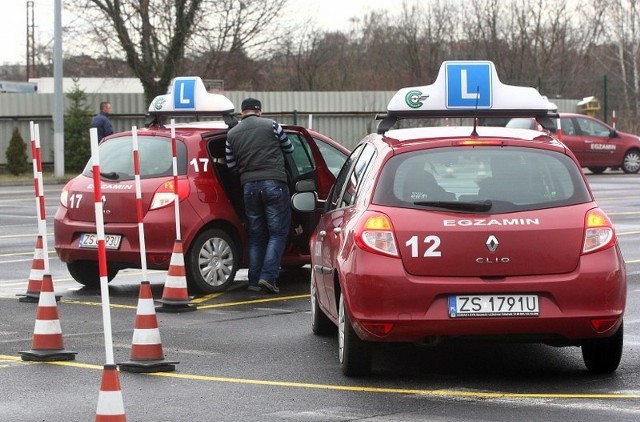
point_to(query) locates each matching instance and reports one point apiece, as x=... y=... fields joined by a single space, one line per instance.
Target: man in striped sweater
x=254 y=149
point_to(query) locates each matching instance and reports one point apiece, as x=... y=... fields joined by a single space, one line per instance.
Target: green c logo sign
x=413 y=99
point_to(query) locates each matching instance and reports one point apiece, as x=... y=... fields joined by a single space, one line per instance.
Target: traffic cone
x=35 y=276
x=47 y=335
x=175 y=296
x=110 y=404
x=146 y=349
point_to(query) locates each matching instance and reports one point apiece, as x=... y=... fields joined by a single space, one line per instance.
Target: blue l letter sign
x=184 y=94
x=468 y=85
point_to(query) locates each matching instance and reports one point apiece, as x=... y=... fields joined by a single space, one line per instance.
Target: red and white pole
x=559 y=129
x=39 y=192
x=136 y=172
x=176 y=191
x=102 y=251
x=613 y=119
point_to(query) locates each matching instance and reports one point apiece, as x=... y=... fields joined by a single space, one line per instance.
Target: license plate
x=466 y=306
x=90 y=240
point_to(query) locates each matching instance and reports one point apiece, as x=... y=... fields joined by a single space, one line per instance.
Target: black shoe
x=271 y=287
x=253 y=288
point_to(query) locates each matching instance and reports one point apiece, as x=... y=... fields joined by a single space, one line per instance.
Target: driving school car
x=210 y=197
x=595 y=144
x=435 y=234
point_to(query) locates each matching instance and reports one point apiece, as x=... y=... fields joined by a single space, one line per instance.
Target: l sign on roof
x=468 y=85
x=189 y=96
x=184 y=94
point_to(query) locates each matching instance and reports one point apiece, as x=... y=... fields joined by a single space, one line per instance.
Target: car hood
x=434 y=243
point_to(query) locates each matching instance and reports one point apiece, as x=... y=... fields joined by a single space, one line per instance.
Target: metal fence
x=344 y=116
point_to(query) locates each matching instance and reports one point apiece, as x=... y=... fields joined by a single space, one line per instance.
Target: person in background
x=254 y=149
x=102 y=120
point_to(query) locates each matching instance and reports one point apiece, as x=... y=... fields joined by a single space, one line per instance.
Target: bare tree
x=154 y=36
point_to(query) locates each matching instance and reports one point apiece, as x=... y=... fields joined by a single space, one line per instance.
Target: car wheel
x=354 y=353
x=321 y=325
x=212 y=261
x=597 y=170
x=602 y=356
x=87 y=273
x=631 y=162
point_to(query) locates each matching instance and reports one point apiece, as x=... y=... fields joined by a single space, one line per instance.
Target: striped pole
x=175 y=295
x=613 y=119
x=39 y=186
x=559 y=129
x=136 y=172
x=102 y=252
x=174 y=151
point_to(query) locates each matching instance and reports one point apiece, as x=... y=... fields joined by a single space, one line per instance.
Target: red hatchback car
x=212 y=228
x=595 y=144
x=441 y=233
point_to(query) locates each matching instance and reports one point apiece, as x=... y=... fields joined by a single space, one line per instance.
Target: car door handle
x=337 y=230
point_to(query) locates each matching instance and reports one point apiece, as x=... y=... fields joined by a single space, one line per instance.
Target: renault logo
x=492 y=243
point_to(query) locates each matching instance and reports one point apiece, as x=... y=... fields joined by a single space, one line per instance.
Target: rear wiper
x=111 y=175
x=454 y=205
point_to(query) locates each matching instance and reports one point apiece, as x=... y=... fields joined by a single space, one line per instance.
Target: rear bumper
x=381 y=292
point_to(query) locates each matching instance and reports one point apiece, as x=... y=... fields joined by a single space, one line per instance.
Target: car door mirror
x=304 y=202
x=613 y=133
x=306 y=185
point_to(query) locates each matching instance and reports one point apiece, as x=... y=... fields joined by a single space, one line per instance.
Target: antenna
x=475 y=118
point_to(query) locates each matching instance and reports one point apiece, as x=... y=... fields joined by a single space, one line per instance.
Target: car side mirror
x=306 y=185
x=305 y=202
x=613 y=133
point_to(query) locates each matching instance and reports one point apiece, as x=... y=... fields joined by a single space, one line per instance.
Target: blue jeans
x=269 y=219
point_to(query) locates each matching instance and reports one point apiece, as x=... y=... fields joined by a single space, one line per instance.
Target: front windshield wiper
x=459 y=206
x=111 y=175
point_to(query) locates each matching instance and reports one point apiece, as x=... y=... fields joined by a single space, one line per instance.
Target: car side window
x=333 y=157
x=567 y=126
x=341 y=179
x=300 y=161
x=356 y=177
x=592 y=128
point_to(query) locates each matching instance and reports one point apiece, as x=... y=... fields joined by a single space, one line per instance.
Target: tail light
x=165 y=194
x=598 y=232
x=375 y=234
x=64 y=195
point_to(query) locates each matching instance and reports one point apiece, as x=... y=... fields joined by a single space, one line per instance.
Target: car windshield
x=116 y=158
x=481 y=180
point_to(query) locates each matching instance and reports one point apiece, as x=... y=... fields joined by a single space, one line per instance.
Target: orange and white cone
x=110 y=404
x=47 y=342
x=146 y=348
x=35 y=275
x=175 y=295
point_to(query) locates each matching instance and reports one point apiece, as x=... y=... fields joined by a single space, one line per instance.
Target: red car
x=435 y=234
x=212 y=228
x=595 y=144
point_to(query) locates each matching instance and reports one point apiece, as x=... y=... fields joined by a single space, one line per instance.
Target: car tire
x=87 y=273
x=212 y=261
x=321 y=325
x=597 y=170
x=354 y=354
x=631 y=162
x=602 y=356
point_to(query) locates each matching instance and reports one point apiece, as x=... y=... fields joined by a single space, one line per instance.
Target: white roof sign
x=466 y=85
x=188 y=95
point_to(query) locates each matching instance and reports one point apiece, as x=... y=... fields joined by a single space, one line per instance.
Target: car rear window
x=511 y=178
x=155 y=155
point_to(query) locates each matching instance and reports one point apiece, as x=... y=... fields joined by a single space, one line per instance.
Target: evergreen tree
x=77 y=122
x=17 y=160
